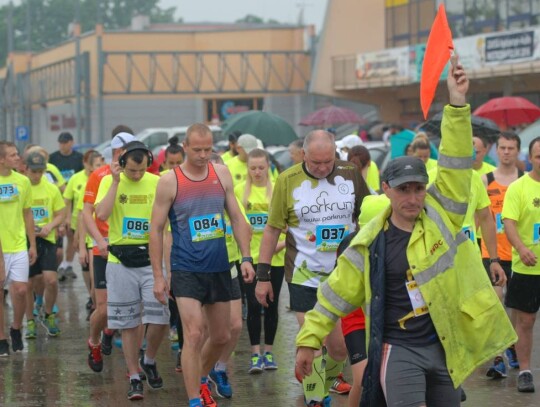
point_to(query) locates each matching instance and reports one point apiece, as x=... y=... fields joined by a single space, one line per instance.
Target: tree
x=252 y=19
x=50 y=19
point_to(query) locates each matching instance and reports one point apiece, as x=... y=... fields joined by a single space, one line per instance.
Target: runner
x=319 y=202
x=480 y=149
x=16 y=226
x=49 y=212
x=99 y=230
x=195 y=196
x=255 y=195
x=125 y=200
x=520 y=214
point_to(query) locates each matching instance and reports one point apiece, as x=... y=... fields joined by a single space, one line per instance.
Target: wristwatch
x=248 y=259
x=495 y=260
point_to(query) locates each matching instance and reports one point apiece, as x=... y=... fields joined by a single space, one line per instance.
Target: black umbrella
x=481 y=126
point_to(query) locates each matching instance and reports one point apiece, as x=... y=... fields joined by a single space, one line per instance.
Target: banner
x=390 y=63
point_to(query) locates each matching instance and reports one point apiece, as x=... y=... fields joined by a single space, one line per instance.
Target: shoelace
x=206 y=396
x=222 y=378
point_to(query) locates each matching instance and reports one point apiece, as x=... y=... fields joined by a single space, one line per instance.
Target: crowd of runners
x=429 y=253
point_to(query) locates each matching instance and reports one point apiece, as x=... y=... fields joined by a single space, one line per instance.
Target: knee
x=236 y=327
x=221 y=338
x=194 y=337
x=19 y=291
x=51 y=280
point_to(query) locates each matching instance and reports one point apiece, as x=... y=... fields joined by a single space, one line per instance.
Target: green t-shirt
x=239 y=171
x=485 y=168
x=373 y=179
x=522 y=204
x=15 y=196
x=129 y=222
x=46 y=200
x=319 y=213
x=54 y=176
x=74 y=188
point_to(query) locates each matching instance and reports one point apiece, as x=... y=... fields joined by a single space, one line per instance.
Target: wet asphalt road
x=53 y=371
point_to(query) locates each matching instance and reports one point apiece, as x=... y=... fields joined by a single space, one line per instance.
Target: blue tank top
x=197 y=224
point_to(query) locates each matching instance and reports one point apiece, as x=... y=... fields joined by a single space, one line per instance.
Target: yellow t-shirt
x=226 y=156
x=129 y=222
x=257 y=215
x=372 y=205
x=56 y=178
x=46 y=200
x=431 y=164
x=485 y=168
x=80 y=205
x=75 y=187
x=15 y=196
x=239 y=171
x=522 y=204
x=372 y=177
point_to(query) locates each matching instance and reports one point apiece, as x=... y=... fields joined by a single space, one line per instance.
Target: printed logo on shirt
x=123 y=199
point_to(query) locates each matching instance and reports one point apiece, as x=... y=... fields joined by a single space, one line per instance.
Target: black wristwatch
x=248 y=259
x=495 y=260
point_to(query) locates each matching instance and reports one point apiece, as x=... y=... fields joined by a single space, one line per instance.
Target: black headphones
x=132 y=146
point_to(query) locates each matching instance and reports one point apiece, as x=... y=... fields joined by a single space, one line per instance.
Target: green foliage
x=251 y=19
x=50 y=19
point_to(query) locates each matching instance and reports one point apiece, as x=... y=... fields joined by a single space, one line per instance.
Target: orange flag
x=439 y=48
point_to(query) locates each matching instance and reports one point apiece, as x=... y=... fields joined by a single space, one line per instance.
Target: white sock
x=220 y=367
x=135 y=377
x=63 y=264
x=148 y=361
x=524 y=371
x=68 y=263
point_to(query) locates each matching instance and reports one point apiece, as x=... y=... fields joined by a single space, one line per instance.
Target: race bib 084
x=206 y=227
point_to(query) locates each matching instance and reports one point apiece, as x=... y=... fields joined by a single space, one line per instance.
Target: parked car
x=281 y=156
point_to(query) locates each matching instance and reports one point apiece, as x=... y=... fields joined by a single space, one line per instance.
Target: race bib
x=536 y=233
x=328 y=237
x=257 y=221
x=40 y=214
x=469 y=233
x=67 y=174
x=9 y=193
x=499 y=223
x=135 y=228
x=417 y=301
x=206 y=227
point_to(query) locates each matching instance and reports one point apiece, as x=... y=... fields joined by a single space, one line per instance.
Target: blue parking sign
x=22 y=133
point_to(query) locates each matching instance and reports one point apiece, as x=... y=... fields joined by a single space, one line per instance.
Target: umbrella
x=481 y=127
x=331 y=115
x=267 y=127
x=509 y=111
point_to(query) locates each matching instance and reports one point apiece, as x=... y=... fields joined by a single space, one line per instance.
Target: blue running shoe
x=49 y=324
x=498 y=370
x=511 y=356
x=269 y=362
x=221 y=381
x=256 y=365
x=327 y=401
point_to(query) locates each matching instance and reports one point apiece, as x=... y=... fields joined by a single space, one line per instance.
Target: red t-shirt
x=353 y=322
x=90 y=195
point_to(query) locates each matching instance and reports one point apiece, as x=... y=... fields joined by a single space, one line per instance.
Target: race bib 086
x=135 y=228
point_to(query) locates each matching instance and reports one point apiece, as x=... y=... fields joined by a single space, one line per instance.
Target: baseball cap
x=36 y=161
x=65 y=137
x=405 y=169
x=121 y=139
x=248 y=142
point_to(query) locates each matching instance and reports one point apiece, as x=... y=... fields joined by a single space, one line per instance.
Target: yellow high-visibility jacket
x=470 y=321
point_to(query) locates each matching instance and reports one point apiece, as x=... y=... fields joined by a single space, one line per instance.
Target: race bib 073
x=9 y=193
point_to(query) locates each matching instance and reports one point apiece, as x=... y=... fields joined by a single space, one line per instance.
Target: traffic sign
x=22 y=133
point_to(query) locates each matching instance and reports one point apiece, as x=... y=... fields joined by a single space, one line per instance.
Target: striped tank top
x=197 y=224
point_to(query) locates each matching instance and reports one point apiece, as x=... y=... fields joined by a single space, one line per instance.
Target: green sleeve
x=278 y=211
x=104 y=186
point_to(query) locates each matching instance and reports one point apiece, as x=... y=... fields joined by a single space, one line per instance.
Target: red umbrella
x=509 y=111
x=331 y=115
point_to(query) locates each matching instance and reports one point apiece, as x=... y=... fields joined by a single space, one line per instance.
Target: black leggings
x=270 y=313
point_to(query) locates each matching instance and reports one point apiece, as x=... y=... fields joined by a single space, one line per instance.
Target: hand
x=61 y=230
x=103 y=248
x=45 y=230
x=161 y=290
x=304 y=361
x=527 y=257
x=264 y=291
x=83 y=256
x=248 y=273
x=498 y=276
x=458 y=83
x=32 y=255
x=115 y=171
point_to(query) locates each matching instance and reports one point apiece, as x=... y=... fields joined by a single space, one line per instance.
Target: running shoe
x=313 y=403
x=38 y=309
x=4 y=348
x=511 y=356
x=256 y=364
x=16 y=340
x=106 y=341
x=498 y=370
x=30 y=329
x=61 y=273
x=135 y=391
x=178 y=367
x=221 y=381
x=327 y=401
x=173 y=335
x=206 y=396
x=269 y=362
x=55 y=309
x=340 y=386
x=70 y=273
x=89 y=304
x=95 y=360
x=50 y=325
x=152 y=376
x=525 y=383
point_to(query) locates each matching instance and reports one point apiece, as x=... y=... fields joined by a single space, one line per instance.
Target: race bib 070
x=40 y=214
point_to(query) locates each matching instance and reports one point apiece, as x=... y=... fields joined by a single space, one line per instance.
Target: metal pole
x=78 y=68
x=101 y=62
x=10 y=76
x=28 y=95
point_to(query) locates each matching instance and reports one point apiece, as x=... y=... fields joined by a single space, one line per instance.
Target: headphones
x=132 y=146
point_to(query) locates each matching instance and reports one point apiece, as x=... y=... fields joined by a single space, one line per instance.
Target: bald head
x=319 y=139
x=320 y=153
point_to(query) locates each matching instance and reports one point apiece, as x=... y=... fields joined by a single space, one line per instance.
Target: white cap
x=121 y=139
x=349 y=141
